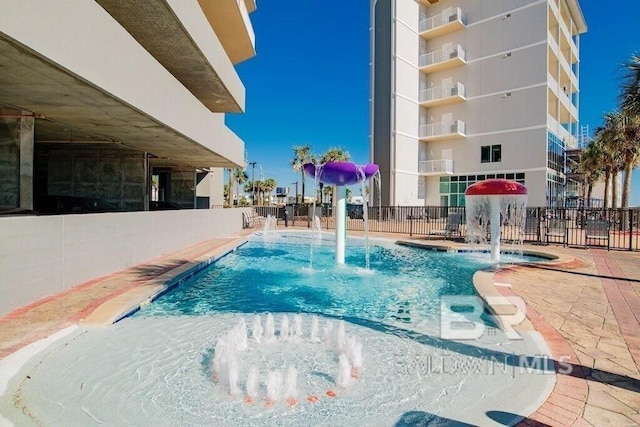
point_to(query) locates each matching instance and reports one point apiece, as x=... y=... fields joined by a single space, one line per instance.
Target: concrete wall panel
x=50 y=254
x=9 y=163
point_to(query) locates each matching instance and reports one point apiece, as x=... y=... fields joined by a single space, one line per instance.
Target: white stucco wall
x=43 y=255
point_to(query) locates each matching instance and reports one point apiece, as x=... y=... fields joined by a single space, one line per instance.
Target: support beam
x=26 y=126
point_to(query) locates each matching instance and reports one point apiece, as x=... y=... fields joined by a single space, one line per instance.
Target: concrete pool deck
x=586 y=305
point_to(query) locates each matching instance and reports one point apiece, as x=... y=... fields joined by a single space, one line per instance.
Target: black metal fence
x=593 y=227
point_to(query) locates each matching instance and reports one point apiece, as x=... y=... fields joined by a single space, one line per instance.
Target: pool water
x=278 y=273
x=158 y=367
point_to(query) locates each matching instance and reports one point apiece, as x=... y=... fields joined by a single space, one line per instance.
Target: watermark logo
x=461 y=316
x=484 y=364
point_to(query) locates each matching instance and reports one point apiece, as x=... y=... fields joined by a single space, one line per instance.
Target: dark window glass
x=481 y=178
x=519 y=176
x=454 y=179
x=496 y=153
x=500 y=176
x=485 y=154
x=511 y=176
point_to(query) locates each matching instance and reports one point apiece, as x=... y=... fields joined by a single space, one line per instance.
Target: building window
x=555 y=153
x=496 y=153
x=491 y=153
x=454 y=186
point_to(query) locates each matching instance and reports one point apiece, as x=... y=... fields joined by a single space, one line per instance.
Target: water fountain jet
x=497 y=202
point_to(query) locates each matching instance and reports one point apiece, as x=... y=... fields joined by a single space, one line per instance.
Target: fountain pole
x=495 y=228
x=341 y=223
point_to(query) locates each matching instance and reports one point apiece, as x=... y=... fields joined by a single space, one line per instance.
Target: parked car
x=158 y=205
x=61 y=205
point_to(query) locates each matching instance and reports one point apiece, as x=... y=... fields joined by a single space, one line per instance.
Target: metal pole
x=296 y=183
x=253 y=183
x=341 y=223
x=630 y=229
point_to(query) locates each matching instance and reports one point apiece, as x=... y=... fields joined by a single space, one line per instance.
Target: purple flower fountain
x=340 y=174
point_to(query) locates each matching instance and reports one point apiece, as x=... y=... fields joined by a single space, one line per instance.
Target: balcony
x=449 y=130
x=441 y=95
x=231 y=22
x=435 y=167
x=449 y=20
x=442 y=59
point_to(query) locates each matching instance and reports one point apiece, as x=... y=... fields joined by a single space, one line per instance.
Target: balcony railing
x=443 y=94
x=436 y=167
x=449 y=20
x=446 y=130
x=443 y=58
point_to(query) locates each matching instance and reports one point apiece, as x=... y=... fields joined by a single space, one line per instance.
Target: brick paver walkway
x=590 y=320
x=55 y=312
x=587 y=311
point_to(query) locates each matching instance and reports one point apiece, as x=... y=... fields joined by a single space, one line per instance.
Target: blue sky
x=309 y=82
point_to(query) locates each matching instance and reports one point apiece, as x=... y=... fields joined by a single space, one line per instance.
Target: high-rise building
x=467 y=90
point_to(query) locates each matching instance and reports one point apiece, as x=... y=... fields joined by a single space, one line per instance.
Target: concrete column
x=26 y=126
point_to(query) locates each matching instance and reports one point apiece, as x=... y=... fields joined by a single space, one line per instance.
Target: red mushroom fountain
x=496 y=202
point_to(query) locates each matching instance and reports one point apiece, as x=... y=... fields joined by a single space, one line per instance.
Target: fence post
x=410 y=225
x=630 y=229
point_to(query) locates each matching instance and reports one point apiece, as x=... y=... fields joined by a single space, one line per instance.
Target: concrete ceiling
x=33 y=84
x=153 y=24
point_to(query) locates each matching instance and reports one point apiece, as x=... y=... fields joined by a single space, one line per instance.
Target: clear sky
x=309 y=82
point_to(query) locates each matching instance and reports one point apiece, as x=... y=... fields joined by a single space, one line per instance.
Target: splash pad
x=232 y=371
x=494 y=203
x=340 y=174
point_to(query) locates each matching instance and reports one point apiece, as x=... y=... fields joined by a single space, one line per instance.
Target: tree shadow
x=421 y=418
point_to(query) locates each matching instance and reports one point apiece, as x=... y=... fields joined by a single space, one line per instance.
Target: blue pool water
x=273 y=274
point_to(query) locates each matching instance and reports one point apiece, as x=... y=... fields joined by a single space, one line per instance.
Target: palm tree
x=240 y=177
x=630 y=151
x=630 y=102
x=335 y=154
x=249 y=187
x=226 y=193
x=590 y=166
x=268 y=185
x=302 y=155
x=327 y=191
x=608 y=139
x=230 y=191
x=630 y=96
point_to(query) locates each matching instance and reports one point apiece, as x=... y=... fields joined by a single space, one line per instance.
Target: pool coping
x=127 y=303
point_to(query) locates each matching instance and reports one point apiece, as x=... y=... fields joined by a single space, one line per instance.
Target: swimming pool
x=156 y=367
x=285 y=273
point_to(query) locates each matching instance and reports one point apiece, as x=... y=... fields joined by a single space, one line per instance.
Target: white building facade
x=467 y=90
x=102 y=99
